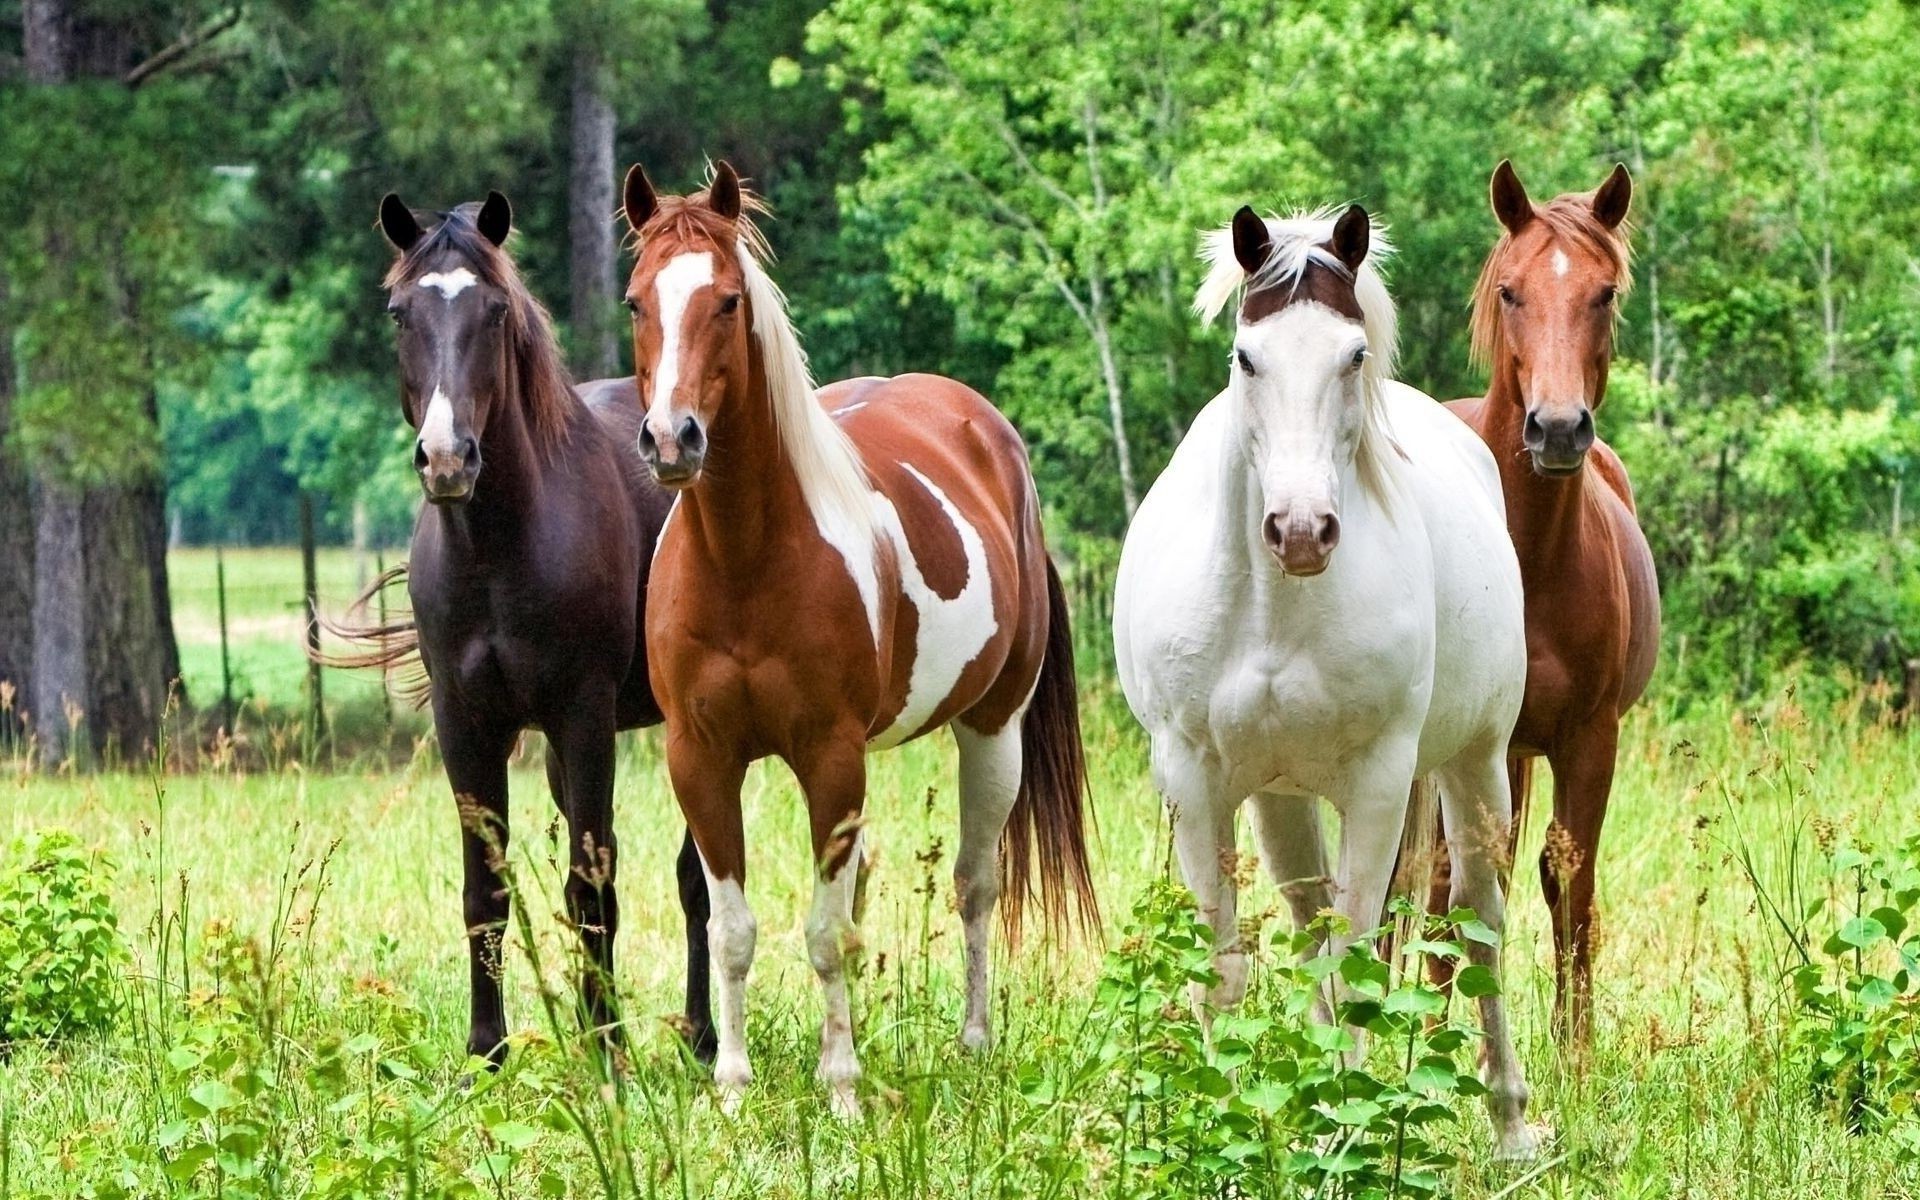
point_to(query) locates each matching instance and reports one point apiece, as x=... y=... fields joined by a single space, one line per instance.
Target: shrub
x=60 y=945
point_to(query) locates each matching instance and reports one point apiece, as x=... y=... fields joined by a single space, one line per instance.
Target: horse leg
x=1582 y=783
x=707 y=784
x=1373 y=814
x=696 y=909
x=834 y=778
x=593 y=905
x=990 y=767
x=1203 y=839
x=1473 y=794
x=1294 y=844
x=476 y=763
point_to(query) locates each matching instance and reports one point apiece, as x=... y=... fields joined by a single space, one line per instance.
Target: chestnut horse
x=843 y=571
x=1543 y=319
x=528 y=577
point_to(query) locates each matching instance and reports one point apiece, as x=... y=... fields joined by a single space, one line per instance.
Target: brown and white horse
x=843 y=571
x=1543 y=318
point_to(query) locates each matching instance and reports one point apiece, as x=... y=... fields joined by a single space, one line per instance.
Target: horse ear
x=1251 y=241
x=640 y=200
x=1509 y=195
x=496 y=219
x=396 y=221
x=1610 y=202
x=1352 y=234
x=724 y=194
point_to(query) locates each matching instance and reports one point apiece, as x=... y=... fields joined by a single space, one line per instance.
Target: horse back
x=970 y=557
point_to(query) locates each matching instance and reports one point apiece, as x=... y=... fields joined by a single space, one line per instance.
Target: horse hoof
x=1524 y=1144
x=842 y=1102
x=732 y=1096
x=976 y=1039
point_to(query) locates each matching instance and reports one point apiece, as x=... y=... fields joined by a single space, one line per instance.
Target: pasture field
x=292 y=1018
x=298 y=987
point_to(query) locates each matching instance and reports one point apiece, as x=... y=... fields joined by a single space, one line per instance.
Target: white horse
x=1269 y=669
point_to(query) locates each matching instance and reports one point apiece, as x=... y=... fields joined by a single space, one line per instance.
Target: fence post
x=316 y=710
x=380 y=599
x=226 y=661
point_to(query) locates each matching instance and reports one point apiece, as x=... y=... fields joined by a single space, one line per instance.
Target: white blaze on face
x=952 y=633
x=1560 y=264
x=448 y=283
x=436 y=427
x=673 y=288
x=1303 y=403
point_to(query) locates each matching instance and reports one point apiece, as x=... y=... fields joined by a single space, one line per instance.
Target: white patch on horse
x=1560 y=264
x=675 y=285
x=952 y=632
x=436 y=428
x=449 y=283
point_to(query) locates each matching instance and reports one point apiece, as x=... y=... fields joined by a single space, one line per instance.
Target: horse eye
x=1607 y=296
x=1359 y=355
x=1246 y=364
x=398 y=316
x=496 y=313
x=728 y=305
x=1507 y=296
x=633 y=306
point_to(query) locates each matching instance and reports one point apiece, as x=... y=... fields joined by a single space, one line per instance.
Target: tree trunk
x=590 y=227
x=102 y=642
x=60 y=699
x=16 y=553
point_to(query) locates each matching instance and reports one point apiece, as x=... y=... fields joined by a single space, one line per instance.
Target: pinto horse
x=528 y=577
x=843 y=571
x=1543 y=318
x=1317 y=598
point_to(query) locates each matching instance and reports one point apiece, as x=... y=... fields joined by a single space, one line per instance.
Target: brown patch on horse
x=1318 y=284
x=1329 y=284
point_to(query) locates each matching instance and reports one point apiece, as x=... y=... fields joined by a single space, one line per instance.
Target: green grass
x=1692 y=1087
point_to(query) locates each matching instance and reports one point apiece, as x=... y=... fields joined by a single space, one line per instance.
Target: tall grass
x=297 y=941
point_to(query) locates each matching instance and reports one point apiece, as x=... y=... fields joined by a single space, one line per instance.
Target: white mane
x=831 y=476
x=1300 y=239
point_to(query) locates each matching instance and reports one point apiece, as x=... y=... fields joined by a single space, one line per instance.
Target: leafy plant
x=61 y=951
x=1270 y=1101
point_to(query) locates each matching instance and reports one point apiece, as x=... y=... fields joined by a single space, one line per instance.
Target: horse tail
x=391 y=646
x=1519 y=783
x=1052 y=809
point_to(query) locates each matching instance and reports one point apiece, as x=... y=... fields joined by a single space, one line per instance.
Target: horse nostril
x=1270 y=530
x=1532 y=433
x=419 y=455
x=648 y=446
x=1583 y=429
x=1329 y=532
x=470 y=452
x=692 y=439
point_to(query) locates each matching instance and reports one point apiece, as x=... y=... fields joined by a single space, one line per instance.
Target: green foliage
x=61 y=953
x=1269 y=1101
x=1858 y=993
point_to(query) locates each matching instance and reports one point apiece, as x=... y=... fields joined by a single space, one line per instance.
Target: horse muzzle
x=447 y=474
x=1558 y=441
x=1302 y=540
x=673 y=450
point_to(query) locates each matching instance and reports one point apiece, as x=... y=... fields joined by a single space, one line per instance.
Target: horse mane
x=1570 y=218
x=1301 y=240
x=825 y=461
x=545 y=387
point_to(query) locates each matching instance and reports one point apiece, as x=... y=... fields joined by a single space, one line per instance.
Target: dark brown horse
x=844 y=570
x=528 y=578
x=1543 y=319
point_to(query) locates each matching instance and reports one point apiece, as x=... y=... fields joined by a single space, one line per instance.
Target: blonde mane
x=1301 y=240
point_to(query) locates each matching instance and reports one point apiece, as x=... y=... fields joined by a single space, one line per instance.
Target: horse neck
x=1539 y=508
x=748 y=490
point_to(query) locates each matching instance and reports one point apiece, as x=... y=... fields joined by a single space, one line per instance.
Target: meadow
x=292 y=1016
